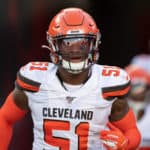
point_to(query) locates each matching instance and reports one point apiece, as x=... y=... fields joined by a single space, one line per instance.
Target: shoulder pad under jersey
x=116 y=82
x=28 y=77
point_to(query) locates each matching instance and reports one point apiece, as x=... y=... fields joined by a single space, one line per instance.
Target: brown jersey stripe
x=115 y=88
x=109 y=95
x=27 y=84
x=115 y=91
x=28 y=81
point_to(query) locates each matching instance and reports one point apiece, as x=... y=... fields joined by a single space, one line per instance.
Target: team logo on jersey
x=70 y=99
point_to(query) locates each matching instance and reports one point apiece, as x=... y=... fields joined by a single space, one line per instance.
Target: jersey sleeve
x=117 y=84
x=27 y=79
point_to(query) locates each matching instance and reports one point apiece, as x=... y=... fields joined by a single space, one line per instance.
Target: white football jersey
x=70 y=120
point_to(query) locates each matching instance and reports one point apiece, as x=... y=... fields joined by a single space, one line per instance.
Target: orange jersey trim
x=111 y=92
x=27 y=86
x=116 y=93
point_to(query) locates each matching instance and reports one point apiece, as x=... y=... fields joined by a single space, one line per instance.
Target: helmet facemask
x=74 y=53
x=73 y=39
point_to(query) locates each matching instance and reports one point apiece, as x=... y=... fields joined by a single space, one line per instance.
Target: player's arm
x=123 y=129
x=126 y=131
x=16 y=104
x=14 y=108
x=125 y=120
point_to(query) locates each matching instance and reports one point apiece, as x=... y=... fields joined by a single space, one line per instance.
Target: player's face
x=74 y=49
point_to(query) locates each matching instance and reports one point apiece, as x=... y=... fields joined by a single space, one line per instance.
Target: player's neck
x=74 y=79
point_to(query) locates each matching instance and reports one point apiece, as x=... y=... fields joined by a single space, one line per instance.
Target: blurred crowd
x=139 y=95
x=22 y=32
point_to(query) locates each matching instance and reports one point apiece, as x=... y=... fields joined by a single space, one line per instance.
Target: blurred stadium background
x=125 y=28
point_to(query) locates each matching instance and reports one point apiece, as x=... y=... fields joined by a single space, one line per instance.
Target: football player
x=74 y=102
x=138 y=99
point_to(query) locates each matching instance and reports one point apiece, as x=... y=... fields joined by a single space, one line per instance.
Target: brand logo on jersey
x=70 y=99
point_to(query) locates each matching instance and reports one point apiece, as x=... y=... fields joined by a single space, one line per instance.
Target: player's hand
x=113 y=138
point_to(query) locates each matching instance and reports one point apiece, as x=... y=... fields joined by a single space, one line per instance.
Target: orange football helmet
x=73 y=39
x=138 y=74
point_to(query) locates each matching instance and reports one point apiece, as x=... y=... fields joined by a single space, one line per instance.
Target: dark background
x=124 y=25
x=125 y=28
